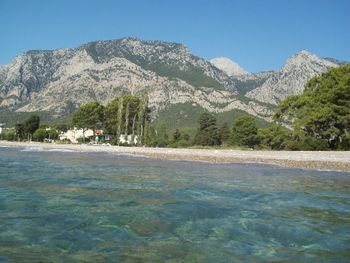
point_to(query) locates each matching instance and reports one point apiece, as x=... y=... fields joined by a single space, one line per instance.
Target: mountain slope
x=292 y=78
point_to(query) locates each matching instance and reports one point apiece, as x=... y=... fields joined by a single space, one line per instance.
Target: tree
x=52 y=134
x=176 y=135
x=112 y=115
x=31 y=125
x=162 y=135
x=89 y=116
x=127 y=115
x=186 y=137
x=19 y=131
x=62 y=127
x=322 y=111
x=207 y=133
x=143 y=119
x=224 y=133
x=40 y=135
x=245 y=132
x=275 y=137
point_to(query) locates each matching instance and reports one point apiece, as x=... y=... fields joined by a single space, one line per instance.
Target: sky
x=257 y=34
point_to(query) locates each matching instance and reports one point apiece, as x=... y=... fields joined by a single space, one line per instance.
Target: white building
x=129 y=139
x=1 y=127
x=75 y=134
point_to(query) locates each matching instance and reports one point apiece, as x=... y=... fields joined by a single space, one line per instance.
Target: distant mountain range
x=58 y=81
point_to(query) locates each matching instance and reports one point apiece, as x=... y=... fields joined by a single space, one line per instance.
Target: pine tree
x=207 y=133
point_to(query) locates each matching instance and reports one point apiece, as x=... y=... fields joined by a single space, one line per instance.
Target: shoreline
x=319 y=160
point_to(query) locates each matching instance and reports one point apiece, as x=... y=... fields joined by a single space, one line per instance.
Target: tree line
x=31 y=129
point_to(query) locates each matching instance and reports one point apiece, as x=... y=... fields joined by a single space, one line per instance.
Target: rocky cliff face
x=292 y=78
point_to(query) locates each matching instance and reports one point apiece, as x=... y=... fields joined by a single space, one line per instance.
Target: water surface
x=81 y=207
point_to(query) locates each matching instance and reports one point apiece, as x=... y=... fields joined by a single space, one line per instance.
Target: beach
x=322 y=160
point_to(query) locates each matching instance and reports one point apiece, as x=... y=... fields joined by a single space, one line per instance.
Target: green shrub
x=40 y=135
x=83 y=140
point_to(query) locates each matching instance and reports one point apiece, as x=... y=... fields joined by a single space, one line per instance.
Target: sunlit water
x=75 y=207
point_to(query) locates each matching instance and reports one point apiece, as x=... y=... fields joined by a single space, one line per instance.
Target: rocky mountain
x=228 y=66
x=59 y=80
x=292 y=78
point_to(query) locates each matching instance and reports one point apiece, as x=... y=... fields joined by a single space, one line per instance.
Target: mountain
x=58 y=81
x=178 y=83
x=228 y=66
x=291 y=78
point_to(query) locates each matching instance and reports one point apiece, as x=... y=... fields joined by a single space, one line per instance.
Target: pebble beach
x=322 y=160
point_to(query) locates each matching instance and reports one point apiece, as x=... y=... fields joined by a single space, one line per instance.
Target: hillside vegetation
x=322 y=113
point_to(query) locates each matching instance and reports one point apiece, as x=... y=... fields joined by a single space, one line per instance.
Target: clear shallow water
x=73 y=207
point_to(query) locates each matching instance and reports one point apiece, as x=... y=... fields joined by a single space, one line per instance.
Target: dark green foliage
x=8 y=136
x=224 y=133
x=130 y=106
x=191 y=75
x=11 y=118
x=89 y=116
x=245 y=131
x=184 y=116
x=176 y=135
x=26 y=129
x=111 y=116
x=207 y=134
x=43 y=133
x=127 y=115
x=322 y=112
x=162 y=135
x=19 y=131
x=83 y=140
x=186 y=137
x=52 y=134
x=245 y=86
x=157 y=137
x=62 y=127
x=180 y=139
x=300 y=141
x=40 y=134
x=275 y=137
x=31 y=125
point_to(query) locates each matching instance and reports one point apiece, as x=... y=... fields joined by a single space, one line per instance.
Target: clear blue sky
x=257 y=34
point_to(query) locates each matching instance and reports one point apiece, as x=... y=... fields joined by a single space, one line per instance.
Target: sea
x=62 y=206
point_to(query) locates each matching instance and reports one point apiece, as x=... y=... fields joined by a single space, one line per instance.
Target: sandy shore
x=331 y=160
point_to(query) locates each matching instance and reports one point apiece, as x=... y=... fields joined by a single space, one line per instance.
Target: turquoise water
x=75 y=207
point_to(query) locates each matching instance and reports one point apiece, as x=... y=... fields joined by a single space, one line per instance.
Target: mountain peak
x=230 y=67
x=304 y=53
x=304 y=59
x=291 y=79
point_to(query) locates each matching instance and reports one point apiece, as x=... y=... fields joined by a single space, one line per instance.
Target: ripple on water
x=74 y=207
